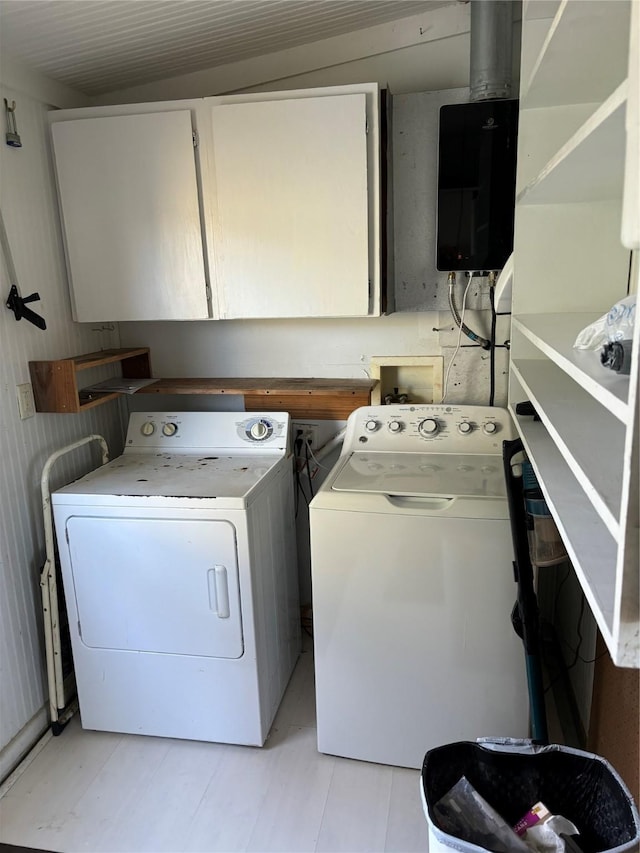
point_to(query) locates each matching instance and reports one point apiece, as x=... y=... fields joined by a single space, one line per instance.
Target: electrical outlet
x=309 y=433
x=26 y=403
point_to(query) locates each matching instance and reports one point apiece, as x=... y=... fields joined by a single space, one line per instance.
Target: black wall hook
x=12 y=136
x=17 y=304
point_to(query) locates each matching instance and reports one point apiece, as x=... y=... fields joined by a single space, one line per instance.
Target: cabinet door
x=291 y=222
x=131 y=218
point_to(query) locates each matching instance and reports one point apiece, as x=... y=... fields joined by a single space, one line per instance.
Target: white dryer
x=180 y=577
x=413 y=587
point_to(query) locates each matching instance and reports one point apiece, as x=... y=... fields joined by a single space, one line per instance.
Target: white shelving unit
x=574 y=238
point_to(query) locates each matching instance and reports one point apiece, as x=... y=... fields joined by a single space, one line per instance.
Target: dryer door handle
x=427 y=503
x=219 y=591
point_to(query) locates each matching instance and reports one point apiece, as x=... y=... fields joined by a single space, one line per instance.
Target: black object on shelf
x=17 y=304
x=527 y=410
x=525 y=617
x=617 y=356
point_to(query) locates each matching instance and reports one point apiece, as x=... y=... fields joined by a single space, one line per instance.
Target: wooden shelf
x=318 y=399
x=55 y=383
x=55 y=386
x=581 y=30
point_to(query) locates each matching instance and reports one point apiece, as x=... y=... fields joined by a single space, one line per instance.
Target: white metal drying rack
x=59 y=694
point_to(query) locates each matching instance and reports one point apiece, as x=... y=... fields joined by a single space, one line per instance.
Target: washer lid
x=171 y=475
x=422 y=474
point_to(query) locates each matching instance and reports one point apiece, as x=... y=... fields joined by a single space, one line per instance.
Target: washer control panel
x=433 y=427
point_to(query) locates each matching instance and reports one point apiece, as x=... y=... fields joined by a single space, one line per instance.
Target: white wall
x=27 y=199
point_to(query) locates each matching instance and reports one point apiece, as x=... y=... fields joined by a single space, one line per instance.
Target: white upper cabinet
x=278 y=205
x=131 y=217
x=290 y=210
x=576 y=226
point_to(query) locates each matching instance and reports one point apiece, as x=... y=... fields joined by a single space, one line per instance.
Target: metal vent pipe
x=491 y=48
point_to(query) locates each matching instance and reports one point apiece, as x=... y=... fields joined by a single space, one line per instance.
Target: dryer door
x=157 y=585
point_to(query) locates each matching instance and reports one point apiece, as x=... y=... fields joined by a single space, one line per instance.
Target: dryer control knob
x=429 y=427
x=148 y=428
x=395 y=426
x=465 y=428
x=371 y=425
x=260 y=430
x=490 y=428
x=169 y=429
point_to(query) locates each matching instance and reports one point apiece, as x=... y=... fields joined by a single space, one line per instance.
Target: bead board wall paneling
x=29 y=207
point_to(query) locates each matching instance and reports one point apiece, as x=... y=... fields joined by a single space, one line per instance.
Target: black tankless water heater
x=476 y=184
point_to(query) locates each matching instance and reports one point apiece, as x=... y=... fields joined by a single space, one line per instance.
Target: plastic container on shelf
x=545 y=544
x=546 y=547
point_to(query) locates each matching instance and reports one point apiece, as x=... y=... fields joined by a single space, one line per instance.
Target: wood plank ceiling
x=97 y=46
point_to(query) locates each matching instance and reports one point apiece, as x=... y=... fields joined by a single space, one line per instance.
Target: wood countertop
x=319 y=399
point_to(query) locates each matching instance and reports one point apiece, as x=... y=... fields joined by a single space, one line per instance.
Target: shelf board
x=554 y=335
x=328 y=399
x=266 y=387
x=106 y=356
x=566 y=71
x=97 y=400
x=55 y=382
x=533 y=10
x=590 y=546
x=590 y=166
x=542 y=133
x=590 y=440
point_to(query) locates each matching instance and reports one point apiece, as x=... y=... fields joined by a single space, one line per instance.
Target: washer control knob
x=465 y=428
x=169 y=429
x=371 y=425
x=429 y=427
x=148 y=428
x=395 y=427
x=490 y=428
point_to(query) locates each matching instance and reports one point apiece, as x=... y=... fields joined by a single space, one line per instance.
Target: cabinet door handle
x=219 y=591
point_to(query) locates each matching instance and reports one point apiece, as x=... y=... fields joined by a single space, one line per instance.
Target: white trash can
x=512 y=776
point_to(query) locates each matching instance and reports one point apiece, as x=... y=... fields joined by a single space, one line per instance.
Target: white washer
x=413 y=586
x=180 y=577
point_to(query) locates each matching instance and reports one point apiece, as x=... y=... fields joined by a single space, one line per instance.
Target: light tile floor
x=97 y=791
